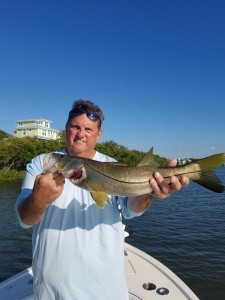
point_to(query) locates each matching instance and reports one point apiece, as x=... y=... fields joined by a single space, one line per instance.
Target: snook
x=109 y=178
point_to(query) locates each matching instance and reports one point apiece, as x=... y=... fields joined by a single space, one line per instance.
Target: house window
x=47 y=124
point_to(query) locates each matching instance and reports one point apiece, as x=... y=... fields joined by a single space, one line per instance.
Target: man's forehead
x=83 y=120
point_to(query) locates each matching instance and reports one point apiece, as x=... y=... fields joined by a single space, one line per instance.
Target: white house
x=39 y=128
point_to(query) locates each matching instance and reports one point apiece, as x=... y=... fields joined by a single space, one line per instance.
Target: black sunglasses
x=90 y=114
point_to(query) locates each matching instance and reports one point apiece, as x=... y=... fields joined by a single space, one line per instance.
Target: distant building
x=39 y=128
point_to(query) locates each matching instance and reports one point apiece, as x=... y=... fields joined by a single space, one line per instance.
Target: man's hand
x=47 y=188
x=161 y=189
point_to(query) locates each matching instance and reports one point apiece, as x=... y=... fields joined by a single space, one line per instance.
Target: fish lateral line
x=113 y=178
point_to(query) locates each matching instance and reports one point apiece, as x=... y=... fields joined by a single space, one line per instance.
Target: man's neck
x=89 y=154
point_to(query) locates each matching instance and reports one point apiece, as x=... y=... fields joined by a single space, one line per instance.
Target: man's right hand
x=47 y=188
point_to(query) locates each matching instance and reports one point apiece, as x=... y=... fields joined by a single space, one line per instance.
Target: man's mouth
x=78 y=141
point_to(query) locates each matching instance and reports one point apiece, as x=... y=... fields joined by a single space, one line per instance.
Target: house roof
x=33 y=120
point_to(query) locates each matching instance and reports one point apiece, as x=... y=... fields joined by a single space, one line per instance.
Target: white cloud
x=212 y=148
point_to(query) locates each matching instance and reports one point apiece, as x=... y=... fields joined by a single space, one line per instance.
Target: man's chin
x=77 y=149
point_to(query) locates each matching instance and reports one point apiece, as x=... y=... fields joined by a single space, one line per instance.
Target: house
x=39 y=128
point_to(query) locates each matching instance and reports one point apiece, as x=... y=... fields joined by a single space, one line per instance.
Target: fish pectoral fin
x=211 y=182
x=100 y=198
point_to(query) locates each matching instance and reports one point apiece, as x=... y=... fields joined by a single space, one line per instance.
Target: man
x=77 y=247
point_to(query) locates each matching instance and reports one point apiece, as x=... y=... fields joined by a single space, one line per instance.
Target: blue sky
x=155 y=67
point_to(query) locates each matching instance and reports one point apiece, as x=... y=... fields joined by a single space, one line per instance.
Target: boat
x=147 y=278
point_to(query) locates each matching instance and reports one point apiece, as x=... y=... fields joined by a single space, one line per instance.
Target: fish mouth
x=76 y=175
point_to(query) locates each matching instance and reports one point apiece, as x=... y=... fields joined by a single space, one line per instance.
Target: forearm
x=140 y=203
x=31 y=210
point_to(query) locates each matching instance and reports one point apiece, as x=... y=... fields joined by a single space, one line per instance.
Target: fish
x=102 y=179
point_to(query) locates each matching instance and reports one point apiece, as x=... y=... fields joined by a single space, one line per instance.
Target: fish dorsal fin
x=100 y=198
x=148 y=160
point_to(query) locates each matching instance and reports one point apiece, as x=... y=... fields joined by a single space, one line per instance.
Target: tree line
x=15 y=153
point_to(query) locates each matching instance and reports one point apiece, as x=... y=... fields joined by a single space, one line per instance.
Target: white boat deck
x=147 y=279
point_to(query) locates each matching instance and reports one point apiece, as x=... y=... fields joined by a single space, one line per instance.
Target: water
x=186 y=232
x=15 y=242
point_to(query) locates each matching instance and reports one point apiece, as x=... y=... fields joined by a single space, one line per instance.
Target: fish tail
x=207 y=178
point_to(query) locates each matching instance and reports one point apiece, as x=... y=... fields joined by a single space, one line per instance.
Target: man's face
x=82 y=134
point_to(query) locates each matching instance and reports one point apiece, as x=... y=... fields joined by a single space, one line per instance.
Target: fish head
x=71 y=168
x=49 y=162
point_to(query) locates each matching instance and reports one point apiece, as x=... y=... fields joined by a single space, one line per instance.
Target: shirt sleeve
x=123 y=205
x=33 y=169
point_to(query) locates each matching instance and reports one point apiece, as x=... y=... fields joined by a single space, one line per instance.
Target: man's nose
x=81 y=133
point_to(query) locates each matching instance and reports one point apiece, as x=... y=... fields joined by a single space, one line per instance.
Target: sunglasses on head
x=90 y=114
